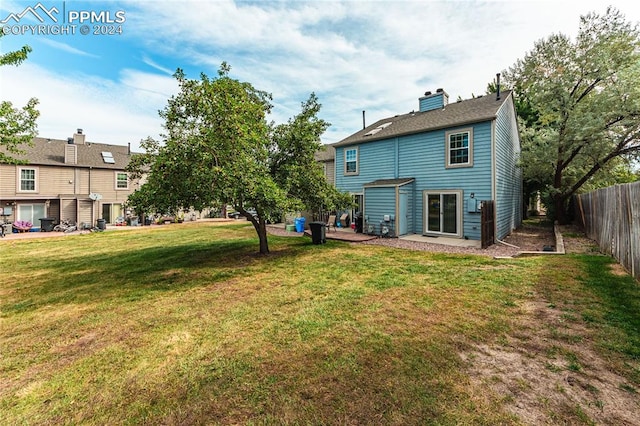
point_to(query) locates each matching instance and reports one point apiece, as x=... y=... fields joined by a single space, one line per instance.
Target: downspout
x=494 y=177
x=93 y=203
x=506 y=244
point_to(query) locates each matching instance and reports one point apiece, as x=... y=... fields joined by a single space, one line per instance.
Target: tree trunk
x=261 y=228
x=560 y=207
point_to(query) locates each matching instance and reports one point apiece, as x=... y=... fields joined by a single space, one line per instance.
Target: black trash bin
x=102 y=224
x=46 y=224
x=317 y=232
x=359 y=222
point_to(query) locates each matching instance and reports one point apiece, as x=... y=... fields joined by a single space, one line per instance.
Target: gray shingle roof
x=51 y=152
x=325 y=153
x=454 y=114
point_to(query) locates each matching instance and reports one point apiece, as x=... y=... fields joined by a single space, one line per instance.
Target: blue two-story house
x=429 y=172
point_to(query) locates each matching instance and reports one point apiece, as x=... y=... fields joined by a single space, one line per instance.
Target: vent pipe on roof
x=129 y=149
x=363 y=120
x=498 y=87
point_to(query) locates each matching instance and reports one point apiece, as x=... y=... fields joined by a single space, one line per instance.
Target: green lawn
x=187 y=324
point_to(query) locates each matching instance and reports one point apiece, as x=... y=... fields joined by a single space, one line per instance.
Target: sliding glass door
x=442 y=213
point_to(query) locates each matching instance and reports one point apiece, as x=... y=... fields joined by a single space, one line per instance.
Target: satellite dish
x=95 y=196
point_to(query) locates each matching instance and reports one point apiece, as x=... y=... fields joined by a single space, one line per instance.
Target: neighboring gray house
x=327 y=157
x=66 y=179
x=428 y=172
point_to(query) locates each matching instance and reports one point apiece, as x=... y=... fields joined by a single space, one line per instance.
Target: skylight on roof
x=107 y=157
x=377 y=129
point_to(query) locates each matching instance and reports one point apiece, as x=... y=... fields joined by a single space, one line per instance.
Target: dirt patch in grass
x=548 y=370
x=550 y=374
x=576 y=242
x=533 y=235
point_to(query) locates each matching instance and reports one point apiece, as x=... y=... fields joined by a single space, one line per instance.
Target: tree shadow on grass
x=138 y=273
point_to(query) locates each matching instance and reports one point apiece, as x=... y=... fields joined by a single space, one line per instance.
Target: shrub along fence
x=611 y=217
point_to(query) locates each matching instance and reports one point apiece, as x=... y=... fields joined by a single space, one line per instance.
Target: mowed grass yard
x=189 y=325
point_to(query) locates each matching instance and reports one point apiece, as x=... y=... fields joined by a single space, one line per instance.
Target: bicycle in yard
x=66 y=226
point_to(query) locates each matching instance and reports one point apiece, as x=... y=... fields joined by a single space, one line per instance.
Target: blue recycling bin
x=300 y=224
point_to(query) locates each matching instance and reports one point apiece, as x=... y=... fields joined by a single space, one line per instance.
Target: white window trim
x=448 y=147
x=19 y=180
x=357 y=161
x=116 y=181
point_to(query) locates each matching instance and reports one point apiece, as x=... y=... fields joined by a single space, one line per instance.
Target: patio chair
x=331 y=222
x=343 y=220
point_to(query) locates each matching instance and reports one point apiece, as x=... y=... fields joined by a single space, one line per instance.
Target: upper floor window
x=28 y=179
x=459 y=148
x=122 y=180
x=351 y=161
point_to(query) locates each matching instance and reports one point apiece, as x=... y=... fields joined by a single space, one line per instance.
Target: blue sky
x=377 y=56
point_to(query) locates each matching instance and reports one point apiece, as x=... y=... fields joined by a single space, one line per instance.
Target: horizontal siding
x=508 y=174
x=423 y=158
x=53 y=181
x=379 y=201
x=331 y=172
x=104 y=183
x=7 y=179
x=376 y=160
x=72 y=184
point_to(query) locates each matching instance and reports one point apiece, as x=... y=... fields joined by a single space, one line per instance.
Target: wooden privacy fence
x=487 y=233
x=611 y=217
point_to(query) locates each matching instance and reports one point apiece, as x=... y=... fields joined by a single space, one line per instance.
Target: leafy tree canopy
x=578 y=103
x=17 y=125
x=219 y=148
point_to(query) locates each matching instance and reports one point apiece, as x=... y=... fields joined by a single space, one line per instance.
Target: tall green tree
x=219 y=148
x=17 y=125
x=579 y=106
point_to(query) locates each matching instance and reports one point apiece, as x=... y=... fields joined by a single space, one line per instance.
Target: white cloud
x=109 y=112
x=66 y=48
x=147 y=60
x=378 y=56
